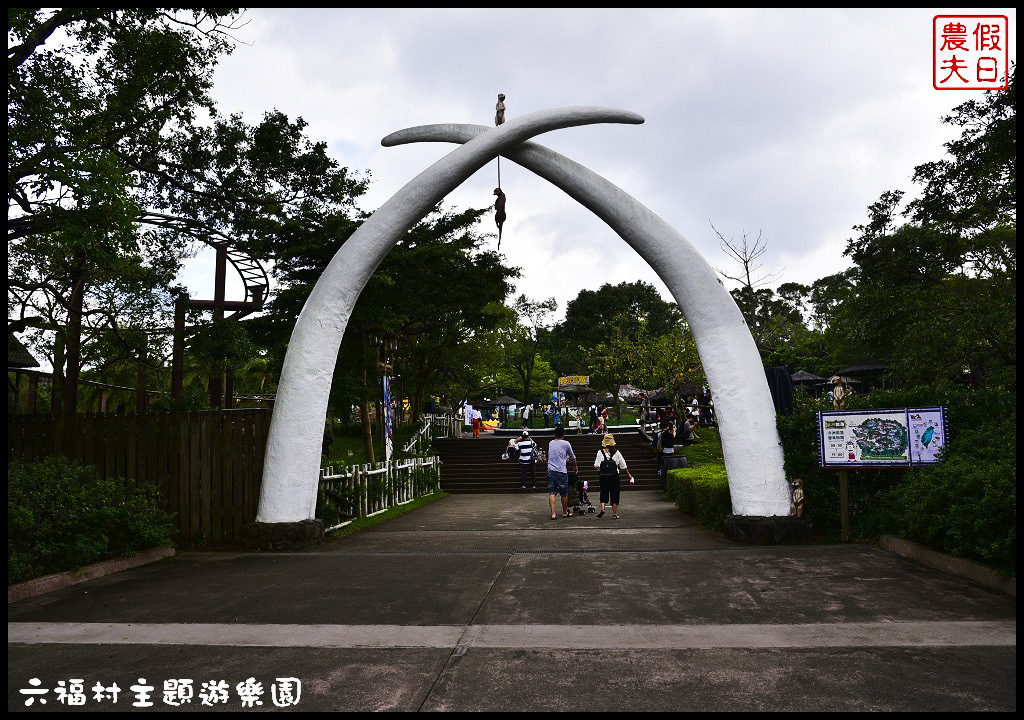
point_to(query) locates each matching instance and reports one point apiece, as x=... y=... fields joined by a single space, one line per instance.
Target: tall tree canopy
x=591 y=316
x=936 y=295
x=433 y=294
x=118 y=160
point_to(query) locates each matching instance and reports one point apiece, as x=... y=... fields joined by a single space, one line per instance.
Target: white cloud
x=785 y=121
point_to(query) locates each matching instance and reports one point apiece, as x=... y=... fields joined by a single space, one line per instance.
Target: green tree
x=937 y=295
x=522 y=339
x=591 y=319
x=974 y=189
x=433 y=295
x=118 y=160
x=669 y=361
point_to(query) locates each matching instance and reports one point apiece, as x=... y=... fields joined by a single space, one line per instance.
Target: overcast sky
x=784 y=122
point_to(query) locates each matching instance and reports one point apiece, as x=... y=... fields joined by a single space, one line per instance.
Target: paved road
x=481 y=602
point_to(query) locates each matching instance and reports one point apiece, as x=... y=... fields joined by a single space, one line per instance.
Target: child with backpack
x=609 y=462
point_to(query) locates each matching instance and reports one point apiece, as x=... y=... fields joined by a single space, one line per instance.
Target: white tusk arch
x=743 y=403
x=291 y=465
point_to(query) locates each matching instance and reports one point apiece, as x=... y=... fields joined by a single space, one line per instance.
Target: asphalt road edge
x=59 y=581
x=968 y=569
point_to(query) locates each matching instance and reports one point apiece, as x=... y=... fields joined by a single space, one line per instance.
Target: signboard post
x=844 y=507
x=896 y=438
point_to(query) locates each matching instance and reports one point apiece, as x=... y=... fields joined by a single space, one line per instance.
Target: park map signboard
x=881 y=438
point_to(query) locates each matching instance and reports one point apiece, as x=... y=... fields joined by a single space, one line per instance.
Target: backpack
x=609 y=470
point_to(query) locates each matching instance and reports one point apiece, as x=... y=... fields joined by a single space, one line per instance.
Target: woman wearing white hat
x=609 y=462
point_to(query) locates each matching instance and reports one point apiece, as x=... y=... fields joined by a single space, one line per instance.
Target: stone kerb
x=283 y=536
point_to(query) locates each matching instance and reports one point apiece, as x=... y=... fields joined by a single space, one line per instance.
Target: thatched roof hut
x=18 y=355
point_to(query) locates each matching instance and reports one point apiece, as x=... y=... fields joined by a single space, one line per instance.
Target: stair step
x=474 y=465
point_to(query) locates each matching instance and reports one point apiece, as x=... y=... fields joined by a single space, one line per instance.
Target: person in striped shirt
x=526 y=464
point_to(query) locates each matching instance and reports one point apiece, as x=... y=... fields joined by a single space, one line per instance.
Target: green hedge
x=702 y=491
x=964 y=506
x=62 y=515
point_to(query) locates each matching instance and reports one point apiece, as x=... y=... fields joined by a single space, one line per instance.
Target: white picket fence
x=366 y=490
x=432 y=426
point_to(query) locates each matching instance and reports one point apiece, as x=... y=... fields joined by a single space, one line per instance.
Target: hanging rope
x=499 y=203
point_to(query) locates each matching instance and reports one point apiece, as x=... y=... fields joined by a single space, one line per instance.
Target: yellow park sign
x=574 y=380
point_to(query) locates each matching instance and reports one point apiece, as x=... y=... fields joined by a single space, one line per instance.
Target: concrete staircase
x=474 y=465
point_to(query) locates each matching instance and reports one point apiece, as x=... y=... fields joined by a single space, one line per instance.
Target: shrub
x=62 y=515
x=702 y=491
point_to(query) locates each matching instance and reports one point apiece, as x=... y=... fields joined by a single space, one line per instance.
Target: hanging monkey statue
x=499 y=204
x=499 y=212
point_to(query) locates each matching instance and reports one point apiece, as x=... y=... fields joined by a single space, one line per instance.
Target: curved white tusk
x=290 y=474
x=744 y=408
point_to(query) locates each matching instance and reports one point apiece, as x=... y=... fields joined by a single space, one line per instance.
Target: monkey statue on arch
x=499 y=110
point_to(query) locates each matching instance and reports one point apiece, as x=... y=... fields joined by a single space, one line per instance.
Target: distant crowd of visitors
x=609 y=464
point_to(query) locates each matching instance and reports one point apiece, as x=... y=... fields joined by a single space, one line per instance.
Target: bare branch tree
x=747 y=256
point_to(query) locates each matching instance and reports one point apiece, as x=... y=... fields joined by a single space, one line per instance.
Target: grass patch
x=702 y=491
x=706 y=450
x=361 y=523
x=347 y=444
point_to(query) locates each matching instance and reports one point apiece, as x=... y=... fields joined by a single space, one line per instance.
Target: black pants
x=528 y=469
x=610 y=488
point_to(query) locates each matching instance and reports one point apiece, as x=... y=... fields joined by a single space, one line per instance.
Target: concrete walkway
x=481 y=602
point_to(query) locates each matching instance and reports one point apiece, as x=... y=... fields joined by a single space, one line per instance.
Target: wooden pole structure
x=229 y=388
x=217 y=370
x=178 y=352
x=140 y=383
x=33 y=388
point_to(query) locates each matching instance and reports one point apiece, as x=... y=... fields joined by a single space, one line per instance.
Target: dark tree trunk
x=364 y=414
x=57 y=381
x=140 y=384
x=417 y=402
x=73 y=340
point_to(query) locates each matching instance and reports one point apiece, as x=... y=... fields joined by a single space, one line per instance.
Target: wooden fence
x=208 y=465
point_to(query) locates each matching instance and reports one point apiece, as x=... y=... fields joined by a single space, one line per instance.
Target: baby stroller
x=579 y=502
